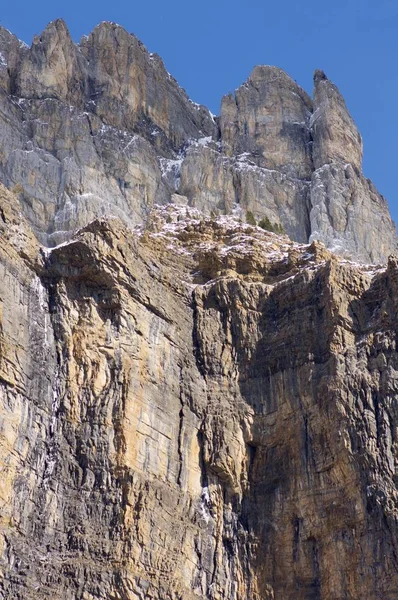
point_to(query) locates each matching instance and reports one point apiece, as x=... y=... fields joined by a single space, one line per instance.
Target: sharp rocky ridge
x=191 y=407
x=101 y=128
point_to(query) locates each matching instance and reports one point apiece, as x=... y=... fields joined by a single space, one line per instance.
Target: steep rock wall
x=101 y=128
x=203 y=410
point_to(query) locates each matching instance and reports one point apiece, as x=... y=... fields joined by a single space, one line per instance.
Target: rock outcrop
x=100 y=128
x=199 y=410
x=75 y=125
x=335 y=136
x=343 y=202
x=190 y=406
x=268 y=118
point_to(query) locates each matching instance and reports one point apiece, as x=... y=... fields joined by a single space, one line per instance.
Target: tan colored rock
x=53 y=67
x=129 y=86
x=204 y=411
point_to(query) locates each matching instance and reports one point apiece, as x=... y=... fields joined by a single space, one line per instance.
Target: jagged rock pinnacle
x=319 y=75
x=197 y=396
x=103 y=128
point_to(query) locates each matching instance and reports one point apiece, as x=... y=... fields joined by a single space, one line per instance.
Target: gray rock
x=349 y=215
x=268 y=117
x=335 y=136
x=101 y=128
x=347 y=212
x=11 y=52
x=219 y=184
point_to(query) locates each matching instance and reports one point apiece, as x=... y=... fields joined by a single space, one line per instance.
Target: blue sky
x=211 y=47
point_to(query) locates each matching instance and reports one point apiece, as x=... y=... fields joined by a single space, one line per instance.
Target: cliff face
x=194 y=407
x=101 y=128
x=203 y=410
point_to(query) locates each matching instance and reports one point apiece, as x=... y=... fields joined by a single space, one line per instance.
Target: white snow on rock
x=171 y=170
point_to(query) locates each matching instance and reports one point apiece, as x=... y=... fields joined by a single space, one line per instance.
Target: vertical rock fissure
x=195 y=336
x=52 y=444
x=180 y=439
x=204 y=480
x=52 y=434
x=308 y=205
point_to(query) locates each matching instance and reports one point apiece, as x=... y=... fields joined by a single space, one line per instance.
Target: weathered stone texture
x=190 y=407
x=101 y=128
x=349 y=215
x=82 y=127
x=205 y=410
x=268 y=117
x=336 y=138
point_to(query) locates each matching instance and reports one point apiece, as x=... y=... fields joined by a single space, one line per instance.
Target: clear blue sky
x=211 y=47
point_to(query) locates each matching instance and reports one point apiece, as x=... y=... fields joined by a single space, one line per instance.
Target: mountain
x=101 y=128
x=191 y=406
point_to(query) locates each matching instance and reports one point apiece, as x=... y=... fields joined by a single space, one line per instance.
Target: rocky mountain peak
x=52 y=67
x=319 y=75
x=11 y=50
x=268 y=118
x=101 y=128
x=336 y=137
x=198 y=382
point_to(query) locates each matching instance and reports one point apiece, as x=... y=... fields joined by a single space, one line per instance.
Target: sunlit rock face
x=84 y=127
x=101 y=128
x=199 y=410
x=268 y=117
x=191 y=406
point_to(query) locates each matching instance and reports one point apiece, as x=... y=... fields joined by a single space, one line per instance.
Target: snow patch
x=212 y=116
x=52 y=445
x=127 y=146
x=171 y=170
x=205 y=504
x=195 y=104
x=42 y=296
x=204 y=141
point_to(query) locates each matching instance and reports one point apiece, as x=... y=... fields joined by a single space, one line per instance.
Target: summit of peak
x=319 y=75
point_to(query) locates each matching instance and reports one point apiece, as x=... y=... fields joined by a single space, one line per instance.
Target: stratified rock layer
x=101 y=128
x=199 y=410
x=191 y=407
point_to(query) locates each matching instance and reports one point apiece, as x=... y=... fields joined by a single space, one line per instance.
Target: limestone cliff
x=199 y=410
x=101 y=128
x=191 y=407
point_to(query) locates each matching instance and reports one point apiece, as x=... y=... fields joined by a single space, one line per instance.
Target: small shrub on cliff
x=250 y=218
x=266 y=224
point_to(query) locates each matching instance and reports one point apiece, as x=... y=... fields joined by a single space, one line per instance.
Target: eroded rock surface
x=83 y=127
x=190 y=406
x=268 y=117
x=347 y=212
x=201 y=409
x=100 y=128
